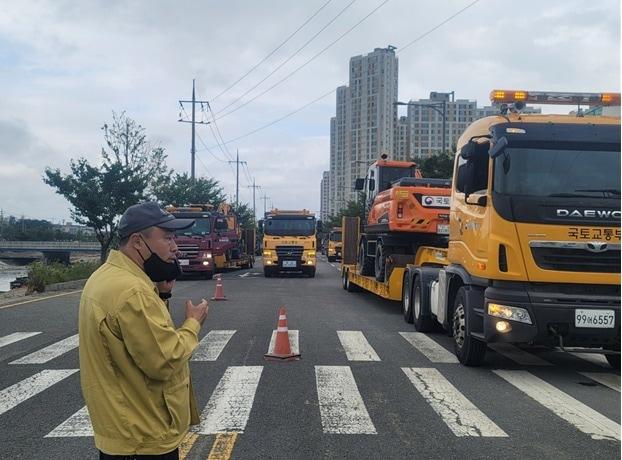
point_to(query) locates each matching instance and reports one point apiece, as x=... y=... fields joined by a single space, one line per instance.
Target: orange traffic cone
x=219 y=294
x=282 y=351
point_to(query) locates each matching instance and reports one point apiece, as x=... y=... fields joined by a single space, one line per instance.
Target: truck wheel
x=364 y=263
x=348 y=286
x=469 y=350
x=614 y=360
x=380 y=262
x=344 y=279
x=311 y=272
x=407 y=310
x=267 y=272
x=330 y=259
x=209 y=275
x=422 y=323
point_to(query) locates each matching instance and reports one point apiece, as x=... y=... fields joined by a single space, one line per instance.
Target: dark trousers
x=174 y=455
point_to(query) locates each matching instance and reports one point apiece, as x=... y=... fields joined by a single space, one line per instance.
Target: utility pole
x=254 y=187
x=194 y=122
x=265 y=199
x=237 y=177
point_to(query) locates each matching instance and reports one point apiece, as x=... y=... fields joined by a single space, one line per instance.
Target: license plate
x=184 y=262
x=594 y=318
x=289 y=264
x=435 y=201
x=442 y=229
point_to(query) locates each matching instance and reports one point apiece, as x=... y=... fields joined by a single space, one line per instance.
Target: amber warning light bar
x=549 y=97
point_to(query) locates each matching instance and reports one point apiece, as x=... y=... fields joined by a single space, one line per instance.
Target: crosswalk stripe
x=341 y=406
x=609 y=380
x=79 y=424
x=458 y=413
x=563 y=405
x=49 y=353
x=212 y=345
x=230 y=405
x=432 y=350
x=294 y=344
x=356 y=346
x=517 y=355
x=29 y=387
x=15 y=337
x=594 y=358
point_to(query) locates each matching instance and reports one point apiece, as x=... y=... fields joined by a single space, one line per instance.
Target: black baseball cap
x=149 y=214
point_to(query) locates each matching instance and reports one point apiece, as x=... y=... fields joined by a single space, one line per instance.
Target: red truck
x=215 y=242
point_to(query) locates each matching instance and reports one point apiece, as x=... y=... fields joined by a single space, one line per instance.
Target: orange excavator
x=404 y=211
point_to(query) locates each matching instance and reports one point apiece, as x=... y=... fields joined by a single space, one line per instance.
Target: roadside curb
x=76 y=284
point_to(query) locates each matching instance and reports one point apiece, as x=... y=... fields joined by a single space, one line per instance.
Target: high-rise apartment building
x=324 y=191
x=365 y=122
x=402 y=140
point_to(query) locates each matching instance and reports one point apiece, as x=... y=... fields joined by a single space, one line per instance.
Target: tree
x=100 y=194
x=182 y=190
x=245 y=215
x=440 y=166
x=352 y=209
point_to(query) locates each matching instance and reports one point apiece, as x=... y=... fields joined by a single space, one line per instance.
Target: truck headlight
x=267 y=253
x=311 y=254
x=207 y=255
x=508 y=312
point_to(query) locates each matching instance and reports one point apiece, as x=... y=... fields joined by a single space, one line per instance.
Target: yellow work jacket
x=133 y=362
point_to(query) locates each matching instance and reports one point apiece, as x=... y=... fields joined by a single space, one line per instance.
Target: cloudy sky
x=66 y=65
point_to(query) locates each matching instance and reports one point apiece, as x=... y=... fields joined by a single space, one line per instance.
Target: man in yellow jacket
x=133 y=361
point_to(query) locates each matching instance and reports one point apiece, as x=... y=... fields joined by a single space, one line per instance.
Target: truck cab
x=333 y=245
x=289 y=242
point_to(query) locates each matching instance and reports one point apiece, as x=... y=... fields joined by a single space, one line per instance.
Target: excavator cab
x=382 y=174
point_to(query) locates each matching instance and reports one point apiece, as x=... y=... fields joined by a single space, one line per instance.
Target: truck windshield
x=558 y=173
x=335 y=236
x=201 y=227
x=301 y=226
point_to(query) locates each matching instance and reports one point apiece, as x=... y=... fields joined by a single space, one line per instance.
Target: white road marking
x=563 y=405
x=432 y=350
x=594 y=358
x=49 y=353
x=244 y=275
x=609 y=380
x=211 y=345
x=15 y=337
x=230 y=405
x=356 y=346
x=21 y=391
x=341 y=406
x=293 y=342
x=79 y=424
x=458 y=413
x=517 y=355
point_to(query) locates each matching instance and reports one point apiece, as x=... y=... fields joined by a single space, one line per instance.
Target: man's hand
x=165 y=286
x=198 y=312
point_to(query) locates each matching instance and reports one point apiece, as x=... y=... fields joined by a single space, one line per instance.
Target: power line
x=436 y=27
x=267 y=125
x=284 y=62
x=307 y=62
x=271 y=52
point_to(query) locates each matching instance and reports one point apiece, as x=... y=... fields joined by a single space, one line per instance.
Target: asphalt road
x=362 y=389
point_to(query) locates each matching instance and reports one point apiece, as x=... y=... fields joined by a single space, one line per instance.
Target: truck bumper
x=552 y=308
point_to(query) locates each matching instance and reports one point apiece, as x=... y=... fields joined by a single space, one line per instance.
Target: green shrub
x=41 y=274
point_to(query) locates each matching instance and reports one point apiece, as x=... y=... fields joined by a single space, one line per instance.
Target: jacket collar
x=120 y=260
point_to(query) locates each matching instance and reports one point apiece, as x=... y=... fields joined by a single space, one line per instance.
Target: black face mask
x=160 y=270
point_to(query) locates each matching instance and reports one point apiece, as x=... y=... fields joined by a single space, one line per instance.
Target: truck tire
x=407 y=303
x=614 y=360
x=330 y=259
x=347 y=285
x=344 y=279
x=209 y=275
x=469 y=350
x=267 y=272
x=380 y=262
x=310 y=272
x=422 y=322
x=364 y=263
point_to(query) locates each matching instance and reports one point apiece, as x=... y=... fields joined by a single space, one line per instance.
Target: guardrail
x=49 y=246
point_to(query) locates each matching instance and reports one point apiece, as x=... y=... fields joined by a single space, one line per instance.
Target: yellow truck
x=289 y=242
x=534 y=236
x=333 y=245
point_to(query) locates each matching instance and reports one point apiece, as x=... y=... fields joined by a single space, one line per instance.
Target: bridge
x=52 y=250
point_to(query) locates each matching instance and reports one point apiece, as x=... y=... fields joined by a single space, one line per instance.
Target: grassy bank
x=41 y=274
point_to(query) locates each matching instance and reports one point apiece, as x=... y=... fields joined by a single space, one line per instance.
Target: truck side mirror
x=359 y=184
x=372 y=185
x=498 y=148
x=260 y=225
x=221 y=224
x=318 y=225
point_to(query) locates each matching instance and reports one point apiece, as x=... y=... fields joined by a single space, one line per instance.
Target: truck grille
x=188 y=251
x=577 y=257
x=289 y=251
